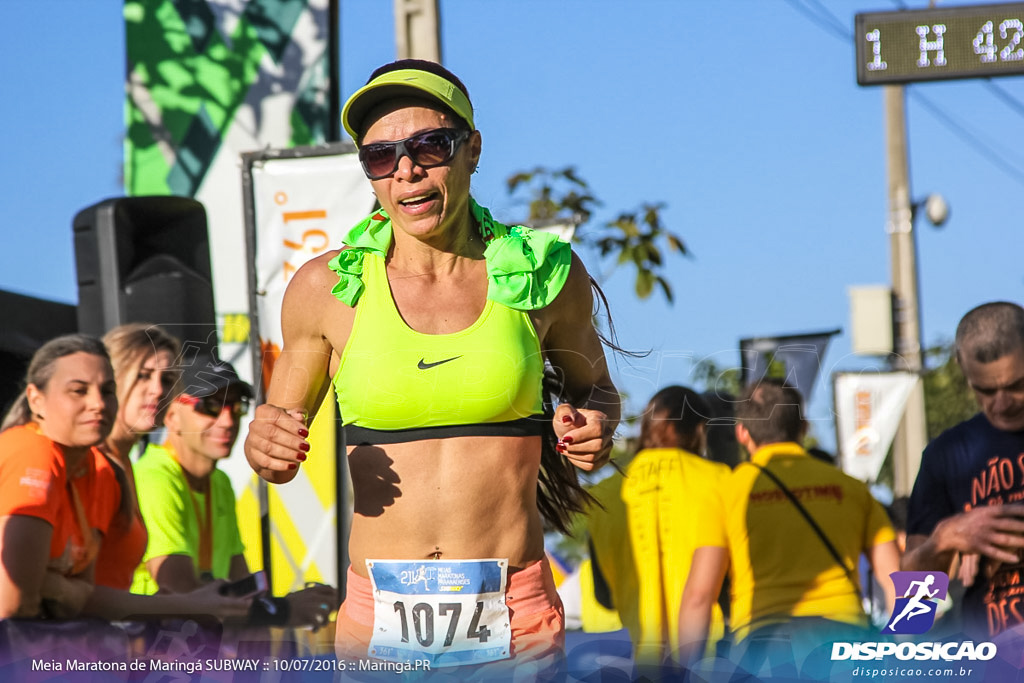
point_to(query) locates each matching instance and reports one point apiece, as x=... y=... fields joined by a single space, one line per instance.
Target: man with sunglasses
x=189 y=505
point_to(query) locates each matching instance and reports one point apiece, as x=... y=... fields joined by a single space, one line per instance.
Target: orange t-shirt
x=124 y=544
x=95 y=482
x=33 y=482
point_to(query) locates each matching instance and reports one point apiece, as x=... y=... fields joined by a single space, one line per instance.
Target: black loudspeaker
x=145 y=259
x=26 y=323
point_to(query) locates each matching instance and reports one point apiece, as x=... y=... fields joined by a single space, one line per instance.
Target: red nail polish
x=292 y=466
x=303 y=446
x=567 y=439
x=301 y=457
x=303 y=432
x=560 y=448
x=566 y=419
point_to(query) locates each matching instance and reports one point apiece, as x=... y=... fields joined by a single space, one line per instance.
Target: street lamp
x=905 y=280
x=886 y=322
x=935 y=208
x=912 y=436
x=906 y=286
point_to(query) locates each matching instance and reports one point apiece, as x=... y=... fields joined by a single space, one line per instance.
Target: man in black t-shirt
x=969 y=495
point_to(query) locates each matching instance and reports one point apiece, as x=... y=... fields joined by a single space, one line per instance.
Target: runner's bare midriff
x=456 y=498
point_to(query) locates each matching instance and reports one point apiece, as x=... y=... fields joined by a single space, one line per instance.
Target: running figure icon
x=916 y=605
x=420 y=575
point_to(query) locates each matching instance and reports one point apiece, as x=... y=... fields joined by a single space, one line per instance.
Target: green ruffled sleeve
x=348 y=264
x=526 y=269
x=373 y=234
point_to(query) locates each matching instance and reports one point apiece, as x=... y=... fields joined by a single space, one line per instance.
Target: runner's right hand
x=276 y=443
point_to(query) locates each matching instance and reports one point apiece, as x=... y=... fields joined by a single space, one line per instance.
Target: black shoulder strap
x=814 y=525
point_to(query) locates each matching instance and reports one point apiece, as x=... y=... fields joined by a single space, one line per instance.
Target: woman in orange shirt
x=51 y=480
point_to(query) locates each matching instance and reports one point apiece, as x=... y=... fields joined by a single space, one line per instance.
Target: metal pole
x=417 y=29
x=911 y=437
x=334 y=70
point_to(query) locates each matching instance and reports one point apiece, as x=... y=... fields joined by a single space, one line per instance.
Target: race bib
x=447 y=612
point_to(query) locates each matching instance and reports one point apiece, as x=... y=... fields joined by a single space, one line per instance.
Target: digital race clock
x=941 y=43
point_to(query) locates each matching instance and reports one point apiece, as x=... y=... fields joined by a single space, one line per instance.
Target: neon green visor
x=404 y=83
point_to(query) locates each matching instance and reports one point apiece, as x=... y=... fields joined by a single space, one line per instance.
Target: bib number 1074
x=449 y=613
x=423 y=622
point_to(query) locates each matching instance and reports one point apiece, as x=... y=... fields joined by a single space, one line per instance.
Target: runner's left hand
x=583 y=436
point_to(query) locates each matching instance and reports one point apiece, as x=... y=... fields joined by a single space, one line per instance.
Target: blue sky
x=742 y=116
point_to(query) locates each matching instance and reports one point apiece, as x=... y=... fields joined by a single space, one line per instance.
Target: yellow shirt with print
x=779 y=567
x=644 y=540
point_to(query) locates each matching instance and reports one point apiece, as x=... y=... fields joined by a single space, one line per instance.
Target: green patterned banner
x=197 y=68
x=208 y=80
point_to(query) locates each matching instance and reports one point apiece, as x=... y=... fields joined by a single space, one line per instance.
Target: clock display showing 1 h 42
x=942 y=43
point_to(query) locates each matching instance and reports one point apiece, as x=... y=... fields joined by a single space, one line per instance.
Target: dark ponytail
x=559 y=492
x=560 y=495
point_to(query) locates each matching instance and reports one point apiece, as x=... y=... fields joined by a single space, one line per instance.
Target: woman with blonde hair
x=144 y=358
x=145 y=362
x=52 y=481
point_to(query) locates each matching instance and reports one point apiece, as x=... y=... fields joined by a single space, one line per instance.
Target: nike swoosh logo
x=422 y=365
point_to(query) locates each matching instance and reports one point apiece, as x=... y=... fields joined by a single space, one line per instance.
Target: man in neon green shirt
x=188 y=504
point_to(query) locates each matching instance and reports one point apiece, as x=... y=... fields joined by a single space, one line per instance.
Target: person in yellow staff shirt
x=787 y=590
x=646 y=528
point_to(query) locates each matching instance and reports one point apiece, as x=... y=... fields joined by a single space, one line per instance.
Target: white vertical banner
x=303 y=206
x=299 y=202
x=303 y=201
x=868 y=408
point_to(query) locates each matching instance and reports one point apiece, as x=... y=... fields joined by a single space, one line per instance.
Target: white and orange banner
x=868 y=407
x=302 y=206
x=301 y=202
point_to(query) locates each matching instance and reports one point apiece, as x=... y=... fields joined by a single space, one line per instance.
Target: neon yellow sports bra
x=395 y=384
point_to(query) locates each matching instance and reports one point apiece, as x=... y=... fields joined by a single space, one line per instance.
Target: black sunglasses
x=427 y=150
x=212 y=406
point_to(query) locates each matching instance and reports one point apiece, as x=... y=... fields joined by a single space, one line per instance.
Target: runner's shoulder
x=314 y=280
